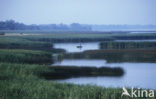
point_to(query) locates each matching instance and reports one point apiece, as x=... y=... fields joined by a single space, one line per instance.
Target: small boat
x=79 y=46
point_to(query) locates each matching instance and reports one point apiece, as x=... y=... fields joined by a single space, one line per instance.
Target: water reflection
x=81 y=62
x=140 y=75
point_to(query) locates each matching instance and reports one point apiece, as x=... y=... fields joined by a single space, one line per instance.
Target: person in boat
x=79 y=46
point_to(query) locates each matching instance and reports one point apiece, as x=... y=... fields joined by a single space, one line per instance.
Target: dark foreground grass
x=62 y=72
x=20 y=81
x=25 y=56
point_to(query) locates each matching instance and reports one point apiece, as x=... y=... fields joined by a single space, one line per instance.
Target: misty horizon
x=75 y=23
x=98 y=12
x=13 y=25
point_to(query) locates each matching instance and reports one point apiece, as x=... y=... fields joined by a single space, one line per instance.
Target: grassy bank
x=73 y=36
x=25 y=56
x=20 y=78
x=21 y=43
x=115 y=55
x=128 y=45
x=89 y=37
x=62 y=72
x=20 y=81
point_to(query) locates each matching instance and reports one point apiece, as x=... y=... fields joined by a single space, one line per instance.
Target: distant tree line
x=12 y=25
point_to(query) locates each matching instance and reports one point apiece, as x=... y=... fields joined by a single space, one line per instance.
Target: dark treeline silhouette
x=12 y=25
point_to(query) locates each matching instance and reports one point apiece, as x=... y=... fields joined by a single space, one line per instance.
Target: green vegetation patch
x=128 y=45
x=89 y=36
x=19 y=81
x=77 y=36
x=115 y=55
x=61 y=72
x=25 y=56
x=19 y=43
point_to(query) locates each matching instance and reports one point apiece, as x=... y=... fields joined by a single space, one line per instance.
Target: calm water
x=72 y=47
x=142 y=75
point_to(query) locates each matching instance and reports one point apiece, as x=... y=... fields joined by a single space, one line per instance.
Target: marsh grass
x=19 y=80
x=25 y=56
x=125 y=55
x=73 y=36
x=128 y=45
x=89 y=36
x=63 y=72
x=22 y=43
x=19 y=43
x=22 y=82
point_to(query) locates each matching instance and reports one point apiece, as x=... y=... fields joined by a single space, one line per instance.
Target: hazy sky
x=81 y=11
